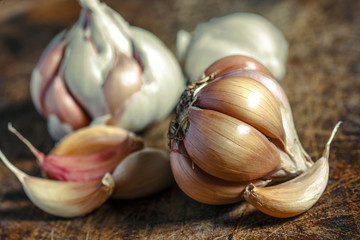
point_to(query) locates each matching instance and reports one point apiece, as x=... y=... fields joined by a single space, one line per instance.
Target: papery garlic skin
x=239 y=33
x=163 y=86
x=111 y=73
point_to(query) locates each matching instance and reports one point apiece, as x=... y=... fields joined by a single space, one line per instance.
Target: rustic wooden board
x=322 y=83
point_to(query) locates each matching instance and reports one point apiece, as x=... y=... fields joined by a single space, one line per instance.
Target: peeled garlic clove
x=64 y=199
x=110 y=71
x=142 y=173
x=244 y=98
x=239 y=33
x=228 y=148
x=201 y=186
x=86 y=154
x=296 y=196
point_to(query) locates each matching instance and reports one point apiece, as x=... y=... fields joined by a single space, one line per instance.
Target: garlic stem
x=39 y=155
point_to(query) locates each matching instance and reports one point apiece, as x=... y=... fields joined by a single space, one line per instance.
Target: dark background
x=322 y=83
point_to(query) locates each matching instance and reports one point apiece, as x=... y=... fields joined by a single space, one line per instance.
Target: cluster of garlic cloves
x=233 y=134
x=104 y=71
x=244 y=34
x=91 y=165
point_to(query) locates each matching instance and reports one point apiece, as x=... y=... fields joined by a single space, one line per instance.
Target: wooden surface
x=322 y=83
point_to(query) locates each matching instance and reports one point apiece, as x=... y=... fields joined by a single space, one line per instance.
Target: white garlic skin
x=163 y=85
x=91 y=47
x=239 y=33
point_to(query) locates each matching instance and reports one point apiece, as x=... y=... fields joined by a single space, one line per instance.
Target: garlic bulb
x=233 y=133
x=104 y=71
x=239 y=33
x=90 y=165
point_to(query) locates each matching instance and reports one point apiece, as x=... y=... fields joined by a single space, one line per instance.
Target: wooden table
x=322 y=83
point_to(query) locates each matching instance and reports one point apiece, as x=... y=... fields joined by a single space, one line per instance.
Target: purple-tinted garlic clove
x=92 y=159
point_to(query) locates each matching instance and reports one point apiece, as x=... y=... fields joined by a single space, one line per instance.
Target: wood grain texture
x=322 y=83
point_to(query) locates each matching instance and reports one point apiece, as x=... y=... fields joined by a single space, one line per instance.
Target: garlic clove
x=46 y=69
x=299 y=160
x=58 y=101
x=64 y=199
x=86 y=154
x=244 y=153
x=201 y=186
x=123 y=80
x=142 y=173
x=238 y=33
x=244 y=99
x=235 y=62
x=92 y=139
x=93 y=42
x=50 y=93
x=163 y=83
x=295 y=196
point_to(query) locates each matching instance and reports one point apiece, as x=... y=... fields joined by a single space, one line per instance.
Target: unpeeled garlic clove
x=142 y=173
x=235 y=62
x=295 y=196
x=86 y=154
x=64 y=199
x=238 y=33
x=299 y=159
x=244 y=98
x=59 y=102
x=201 y=186
x=123 y=80
x=229 y=148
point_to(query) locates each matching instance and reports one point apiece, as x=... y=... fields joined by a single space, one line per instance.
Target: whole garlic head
x=104 y=71
x=233 y=134
x=240 y=33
